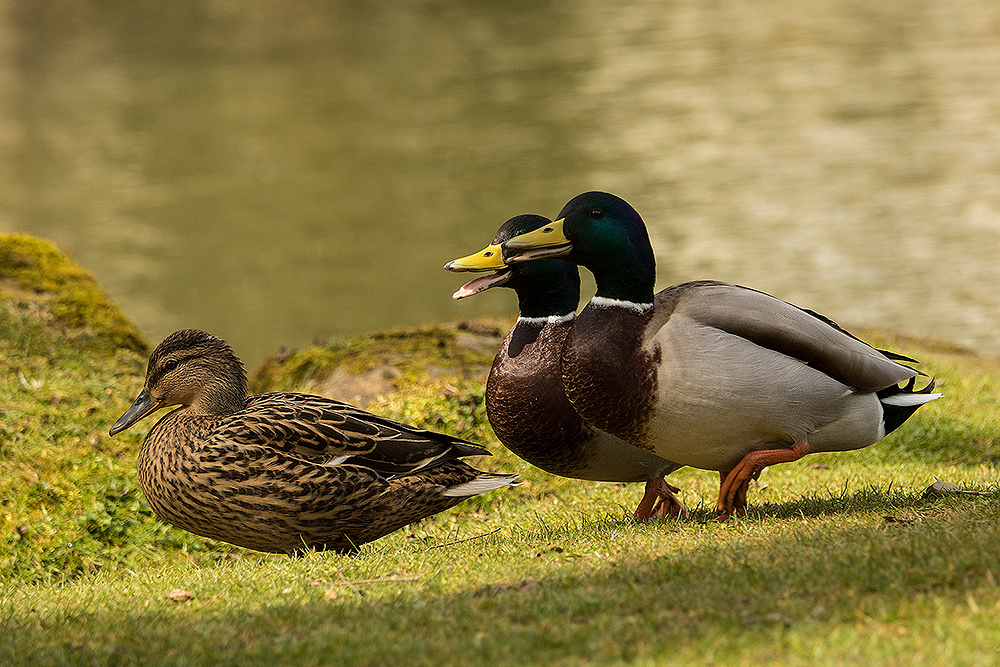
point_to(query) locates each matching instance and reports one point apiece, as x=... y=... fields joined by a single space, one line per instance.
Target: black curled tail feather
x=898 y=403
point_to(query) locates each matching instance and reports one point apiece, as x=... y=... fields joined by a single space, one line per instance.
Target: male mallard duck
x=708 y=374
x=284 y=472
x=525 y=402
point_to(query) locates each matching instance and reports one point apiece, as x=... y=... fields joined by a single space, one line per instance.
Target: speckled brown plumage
x=284 y=472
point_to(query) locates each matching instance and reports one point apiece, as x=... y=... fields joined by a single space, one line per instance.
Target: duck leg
x=669 y=504
x=659 y=501
x=723 y=474
x=739 y=507
x=735 y=483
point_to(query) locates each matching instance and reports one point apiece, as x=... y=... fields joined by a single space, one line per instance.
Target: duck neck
x=632 y=287
x=224 y=396
x=625 y=274
x=222 y=404
x=552 y=304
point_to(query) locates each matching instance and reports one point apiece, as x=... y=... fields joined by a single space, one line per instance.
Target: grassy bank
x=842 y=556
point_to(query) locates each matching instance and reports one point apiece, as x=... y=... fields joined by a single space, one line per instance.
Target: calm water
x=276 y=172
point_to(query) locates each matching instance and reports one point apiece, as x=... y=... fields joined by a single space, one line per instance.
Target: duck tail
x=481 y=484
x=898 y=403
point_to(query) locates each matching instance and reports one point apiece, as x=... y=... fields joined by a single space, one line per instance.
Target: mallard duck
x=525 y=402
x=284 y=472
x=709 y=374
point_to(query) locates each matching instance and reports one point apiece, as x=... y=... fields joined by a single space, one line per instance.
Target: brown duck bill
x=142 y=406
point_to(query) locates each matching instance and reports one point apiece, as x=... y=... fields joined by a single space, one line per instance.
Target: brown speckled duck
x=284 y=472
x=525 y=401
x=709 y=374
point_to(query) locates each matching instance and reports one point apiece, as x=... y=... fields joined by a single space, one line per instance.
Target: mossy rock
x=360 y=368
x=43 y=293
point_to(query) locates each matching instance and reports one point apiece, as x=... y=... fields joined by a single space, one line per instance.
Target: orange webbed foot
x=659 y=501
x=734 y=484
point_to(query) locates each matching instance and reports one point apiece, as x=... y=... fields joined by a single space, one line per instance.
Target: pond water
x=278 y=172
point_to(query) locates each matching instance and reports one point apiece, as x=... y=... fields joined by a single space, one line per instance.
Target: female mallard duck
x=708 y=374
x=284 y=472
x=525 y=402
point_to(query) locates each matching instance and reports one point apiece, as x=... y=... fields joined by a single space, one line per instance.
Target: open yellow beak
x=543 y=243
x=549 y=236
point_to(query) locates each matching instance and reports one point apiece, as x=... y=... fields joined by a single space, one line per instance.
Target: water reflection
x=276 y=172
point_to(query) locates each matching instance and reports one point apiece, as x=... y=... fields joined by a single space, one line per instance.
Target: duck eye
x=597 y=214
x=170 y=365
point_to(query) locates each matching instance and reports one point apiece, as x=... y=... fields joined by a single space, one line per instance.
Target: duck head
x=602 y=232
x=545 y=288
x=193 y=369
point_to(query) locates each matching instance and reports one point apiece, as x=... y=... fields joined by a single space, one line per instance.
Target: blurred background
x=285 y=170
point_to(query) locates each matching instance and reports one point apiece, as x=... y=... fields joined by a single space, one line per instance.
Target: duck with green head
x=525 y=401
x=709 y=374
x=284 y=472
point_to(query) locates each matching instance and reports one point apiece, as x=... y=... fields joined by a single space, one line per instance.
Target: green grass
x=841 y=560
x=836 y=582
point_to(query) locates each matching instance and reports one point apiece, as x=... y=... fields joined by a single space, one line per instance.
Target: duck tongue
x=482 y=284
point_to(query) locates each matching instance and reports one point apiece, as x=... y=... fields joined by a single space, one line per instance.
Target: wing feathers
x=801 y=334
x=330 y=432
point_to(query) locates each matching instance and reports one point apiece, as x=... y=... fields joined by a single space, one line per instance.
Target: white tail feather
x=481 y=484
x=906 y=400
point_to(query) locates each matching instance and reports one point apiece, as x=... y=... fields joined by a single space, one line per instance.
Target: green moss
x=392 y=360
x=45 y=294
x=70 y=362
